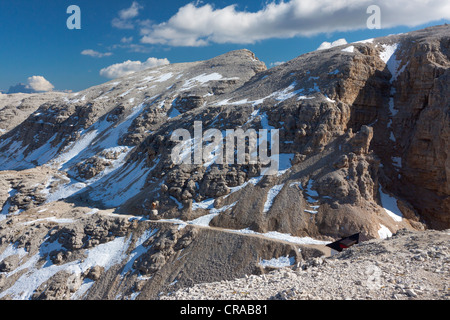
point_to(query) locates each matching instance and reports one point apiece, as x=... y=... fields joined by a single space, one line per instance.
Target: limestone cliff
x=363 y=147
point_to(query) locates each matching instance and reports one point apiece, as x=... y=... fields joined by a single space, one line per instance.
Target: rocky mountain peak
x=357 y=139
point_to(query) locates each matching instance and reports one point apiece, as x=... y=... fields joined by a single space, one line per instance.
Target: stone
x=95 y=273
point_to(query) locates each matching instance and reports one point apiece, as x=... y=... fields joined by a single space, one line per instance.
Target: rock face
x=363 y=132
x=66 y=252
x=420 y=127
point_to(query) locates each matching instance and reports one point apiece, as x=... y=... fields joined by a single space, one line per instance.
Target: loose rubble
x=410 y=265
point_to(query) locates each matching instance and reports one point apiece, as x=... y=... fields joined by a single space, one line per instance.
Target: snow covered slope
x=110 y=146
x=363 y=130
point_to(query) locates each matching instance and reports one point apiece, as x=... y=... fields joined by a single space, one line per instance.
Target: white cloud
x=276 y=63
x=128 y=67
x=122 y=24
x=124 y=21
x=196 y=25
x=95 y=54
x=131 y=12
x=327 y=45
x=39 y=83
x=132 y=47
x=126 y=40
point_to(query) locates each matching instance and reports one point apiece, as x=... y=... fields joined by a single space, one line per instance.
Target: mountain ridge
x=363 y=130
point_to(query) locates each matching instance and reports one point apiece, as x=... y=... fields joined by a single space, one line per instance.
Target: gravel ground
x=409 y=265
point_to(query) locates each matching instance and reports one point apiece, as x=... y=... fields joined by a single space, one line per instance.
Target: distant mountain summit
x=20 y=88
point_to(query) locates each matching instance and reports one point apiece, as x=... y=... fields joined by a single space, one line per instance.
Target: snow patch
x=7 y=204
x=11 y=250
x=280 y=262
x=202 y=79
x=286 y=93
x=254 y=181
x=139 y=249
x=273 y=192
x=389 y=56
x=174 y=113
x=283 y=237
x=124 y=185
x=388 y=51
x=52 y=219
x=389 y=205
x=310 y=193
x=384 y=232
x=365 y=41
x=164 y=77
x=104 y=255
x=206 y=219
x=350 y=49
x=397 y=162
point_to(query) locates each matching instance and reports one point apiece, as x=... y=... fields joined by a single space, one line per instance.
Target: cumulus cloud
x=327 y=45
x=34 y=84
x=195 y=25
x=128 y=67
x=95 y=54
x=131 y=12
x=126 y=40
x=40 y=84
x=122 y=24
x=126 y=16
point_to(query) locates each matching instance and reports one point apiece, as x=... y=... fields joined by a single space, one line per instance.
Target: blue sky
x=37 y=42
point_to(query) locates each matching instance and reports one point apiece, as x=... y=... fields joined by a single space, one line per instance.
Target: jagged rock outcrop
x=15 y=108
